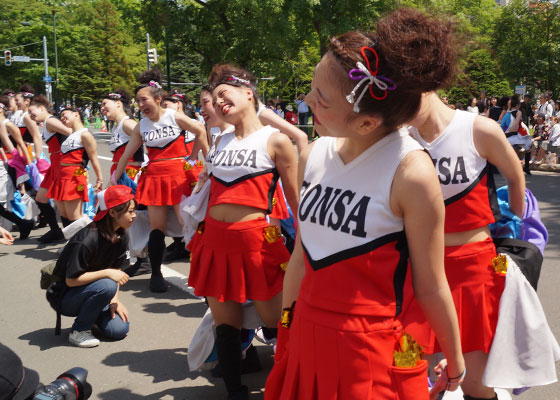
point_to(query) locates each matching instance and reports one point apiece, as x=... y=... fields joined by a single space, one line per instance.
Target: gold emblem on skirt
x=271 y=233
x=131 y=172
x=284 y=266
x=80 y=188
x=80 y=171
x=187 y=166
x=200 y=229
x=500 y=264
x=274 y=201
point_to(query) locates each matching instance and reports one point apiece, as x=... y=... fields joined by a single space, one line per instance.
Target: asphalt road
x=151 y=362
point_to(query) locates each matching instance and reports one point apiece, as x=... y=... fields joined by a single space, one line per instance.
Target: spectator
x=90 y=266
x=557 y=108
x=472 y=107
x=540 y=134
x=279 y=110
x=459 y=106
x=503 y=103
x=484 y=99
x=526 y=111
x=302 y=109
x=291 y=116
x=494 y=111
x=445 y=100
x=270 y=105
x=545 y=108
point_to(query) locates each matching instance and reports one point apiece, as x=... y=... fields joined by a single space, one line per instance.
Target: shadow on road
x=39 y=254
x=46 y=339
x=191 y=310
x=139 y=287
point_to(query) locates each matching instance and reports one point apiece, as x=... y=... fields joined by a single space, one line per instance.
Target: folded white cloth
x=193 y=209
x=521 y=140
x=524 y=350
x=75 y=227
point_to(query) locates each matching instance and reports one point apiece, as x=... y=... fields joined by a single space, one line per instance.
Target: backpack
x=56 y=288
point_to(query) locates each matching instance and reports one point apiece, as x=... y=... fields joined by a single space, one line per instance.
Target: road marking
x=177 y=279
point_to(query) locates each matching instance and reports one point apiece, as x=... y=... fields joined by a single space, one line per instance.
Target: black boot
x=65 y=221
x=24 y=225
x=175 y=251
x=49 y=216
x=156 y=246
x=467 y=397
x=228 y=347
x=527 y=166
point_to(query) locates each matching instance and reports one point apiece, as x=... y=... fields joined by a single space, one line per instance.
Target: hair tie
x=11 y=95
x=114 y=96
x=178 y=95
x=369 y=77
x=27 y=94
x=234 y=78
x=154 y=84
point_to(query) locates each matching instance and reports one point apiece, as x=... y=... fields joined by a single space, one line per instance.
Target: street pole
x=148 y=49
x=55 y=63
x=167 y=60
x=46 y=62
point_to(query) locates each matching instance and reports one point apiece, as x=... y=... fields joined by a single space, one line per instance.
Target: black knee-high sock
x=467 y=397
x=10 y=216
x=49 y=214
x=156 y=246
x=527 y=160
x=177 y=239
x=228 y=347
x=65 y=221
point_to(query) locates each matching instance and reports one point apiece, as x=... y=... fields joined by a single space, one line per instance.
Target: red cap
x=111 y=197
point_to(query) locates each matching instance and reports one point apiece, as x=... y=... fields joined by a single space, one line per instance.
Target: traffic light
x=152 y=56
x=7 y=57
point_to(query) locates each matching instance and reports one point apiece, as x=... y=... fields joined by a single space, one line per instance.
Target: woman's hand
x=7 y=237
x=444 y=382
x=98 y=186
x=117 y=308
x=117 y=275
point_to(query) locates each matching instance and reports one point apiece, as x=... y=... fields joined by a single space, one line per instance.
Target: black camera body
x=71 y=385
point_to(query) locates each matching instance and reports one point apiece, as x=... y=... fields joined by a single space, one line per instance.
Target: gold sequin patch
x=407 y=352
x=500 y=264
x=80 y=171
x=187 y=166
x=274 y=201
x=193 y=184
x=284 y=266
x=200 y=229
x=80 y=188
x=271 y=233
x=131 y=172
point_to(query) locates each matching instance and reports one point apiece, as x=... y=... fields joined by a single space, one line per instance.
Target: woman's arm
x=35 y=134
x=88 y=277
x=200 y=141
x=416 y=196
x=282 y=152
x=269 y=117
x=133 y=144
x=54 y=125
x=128 y=126
x=5 y=138
x=22 y=148
x=91 y=148
x=491 y=144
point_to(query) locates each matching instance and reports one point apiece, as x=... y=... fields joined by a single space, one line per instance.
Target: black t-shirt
x=88 y=251
x=495 y=112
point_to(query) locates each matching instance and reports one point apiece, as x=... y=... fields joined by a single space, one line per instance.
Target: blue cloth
x=35 y=175
x=509 y=226
x=126 y=181
x=89 y=207
x=18 y=207
x=90 y=305
x=506 y=121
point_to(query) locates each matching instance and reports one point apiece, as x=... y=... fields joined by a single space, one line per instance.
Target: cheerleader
x=12 y=108
x=54 y=134
x=116 y=107
x=28 y=128
x=370 y=200
x=8 y=135
x=167 y=177
x=70 y=188
x=236 y=255
x=462 y=146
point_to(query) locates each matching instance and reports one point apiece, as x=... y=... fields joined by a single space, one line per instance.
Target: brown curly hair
x=416 y=52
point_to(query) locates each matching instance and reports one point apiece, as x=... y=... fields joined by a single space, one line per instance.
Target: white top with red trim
x=242 y=171
x=355 y=248
x=118 y=136
x=73 y=151
x=164 y=138
x=466 y=184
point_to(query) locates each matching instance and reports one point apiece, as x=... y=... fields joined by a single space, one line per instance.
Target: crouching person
x=90 y=266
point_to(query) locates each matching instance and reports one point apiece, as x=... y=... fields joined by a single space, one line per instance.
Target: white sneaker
x=83 y=339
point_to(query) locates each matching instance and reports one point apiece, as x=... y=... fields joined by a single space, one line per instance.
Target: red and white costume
x=470 y=203
x=54 y=141
x=71 y=182
x=241 y=260
x=165 y=179
x=117 y=144
x=343 y=334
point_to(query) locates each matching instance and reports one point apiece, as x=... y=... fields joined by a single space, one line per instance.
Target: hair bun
x=151 y=75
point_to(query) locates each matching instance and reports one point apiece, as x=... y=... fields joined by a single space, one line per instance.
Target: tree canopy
x=101 y=43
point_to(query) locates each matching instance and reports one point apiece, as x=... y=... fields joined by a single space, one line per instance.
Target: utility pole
x=55 y=62
x=148 y=49
x=48 y=89
x=167 y=61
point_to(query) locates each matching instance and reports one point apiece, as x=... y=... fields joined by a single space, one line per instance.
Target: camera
x=71 y=385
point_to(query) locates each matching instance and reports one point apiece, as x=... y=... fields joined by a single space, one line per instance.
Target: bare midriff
x=474 y=235
x=235 y=213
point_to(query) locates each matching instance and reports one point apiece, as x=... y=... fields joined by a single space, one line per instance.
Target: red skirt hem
x=163 y=183
x=71 y=184
x=476 y=289
x=235 y=261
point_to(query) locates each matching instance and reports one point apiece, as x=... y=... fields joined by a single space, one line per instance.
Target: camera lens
x=71 y=385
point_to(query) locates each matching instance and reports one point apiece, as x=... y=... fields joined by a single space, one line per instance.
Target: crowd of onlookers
x=540 y=119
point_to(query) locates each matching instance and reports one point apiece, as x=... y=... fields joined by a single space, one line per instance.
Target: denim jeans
x=90 y=305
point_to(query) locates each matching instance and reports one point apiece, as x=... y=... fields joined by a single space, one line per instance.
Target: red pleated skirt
x=343 y=357
x=279 y=206
x=476 y=289
x=163 y=183
x=237 y=261
x=130 y=170
x=71 y=183
x=52 y=172
x=192 y=172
